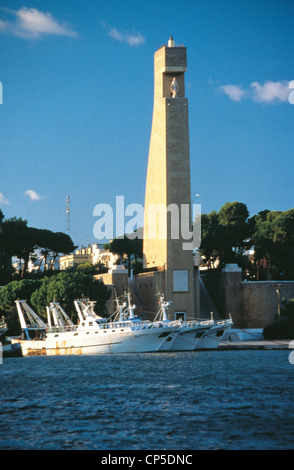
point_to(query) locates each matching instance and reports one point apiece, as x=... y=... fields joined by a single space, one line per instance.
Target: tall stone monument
x=168 y=190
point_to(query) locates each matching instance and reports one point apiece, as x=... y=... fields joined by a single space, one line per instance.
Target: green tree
x=65 y=287
x=13 y=241
x=283 y=241
x=233 y=218
x=127 y=245
x=21 y=241
x=53 y=243
x=273 y=240
x=224 y=233
x=17 y=290
x=5 y=270
x=211 y=238
x=88 y=268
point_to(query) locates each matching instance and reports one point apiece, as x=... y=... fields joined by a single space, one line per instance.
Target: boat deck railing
x=140 y=325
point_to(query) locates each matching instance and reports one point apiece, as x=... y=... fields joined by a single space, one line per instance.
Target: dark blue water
x=188 y=401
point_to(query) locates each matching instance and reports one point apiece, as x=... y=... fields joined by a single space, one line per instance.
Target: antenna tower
x=67 y=214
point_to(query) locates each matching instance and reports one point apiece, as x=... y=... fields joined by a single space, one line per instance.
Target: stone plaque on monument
x=180 y=281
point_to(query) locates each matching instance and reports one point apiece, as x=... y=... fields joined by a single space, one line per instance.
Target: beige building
x=92 y=254
x=68 y=261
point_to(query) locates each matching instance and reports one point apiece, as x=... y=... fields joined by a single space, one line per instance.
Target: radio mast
x=67 y=214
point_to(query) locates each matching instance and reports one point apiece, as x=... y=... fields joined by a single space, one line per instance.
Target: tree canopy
x=127 y=245
x=223 y=233
x=228 y=234
x=272 y=234
x=17 y=290
x=63 y=287
x=19 y=240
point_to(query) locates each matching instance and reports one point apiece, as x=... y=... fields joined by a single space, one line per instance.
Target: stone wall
x=150 y=285
x=260 y=301
x=117 y=281
x=226 y=292
x=251 y=304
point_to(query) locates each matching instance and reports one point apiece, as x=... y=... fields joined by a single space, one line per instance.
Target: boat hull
x=10 y=350
x=97 y=342
x=192 y=338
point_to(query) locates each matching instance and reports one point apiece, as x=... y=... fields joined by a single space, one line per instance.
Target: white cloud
x=132 y=39
x=115 y=34
x=32 y=195
x=3 y=199
x=3 y=25
x=234 y=92
x=32 y=23
x=268 y=92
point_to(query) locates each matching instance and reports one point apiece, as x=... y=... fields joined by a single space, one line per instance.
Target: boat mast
x=131 y=307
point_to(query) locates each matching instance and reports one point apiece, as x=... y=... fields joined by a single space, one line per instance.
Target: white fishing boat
x=194 y=334
x=93 y=335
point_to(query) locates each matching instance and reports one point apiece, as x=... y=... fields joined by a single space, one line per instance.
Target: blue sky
x=76 y=116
